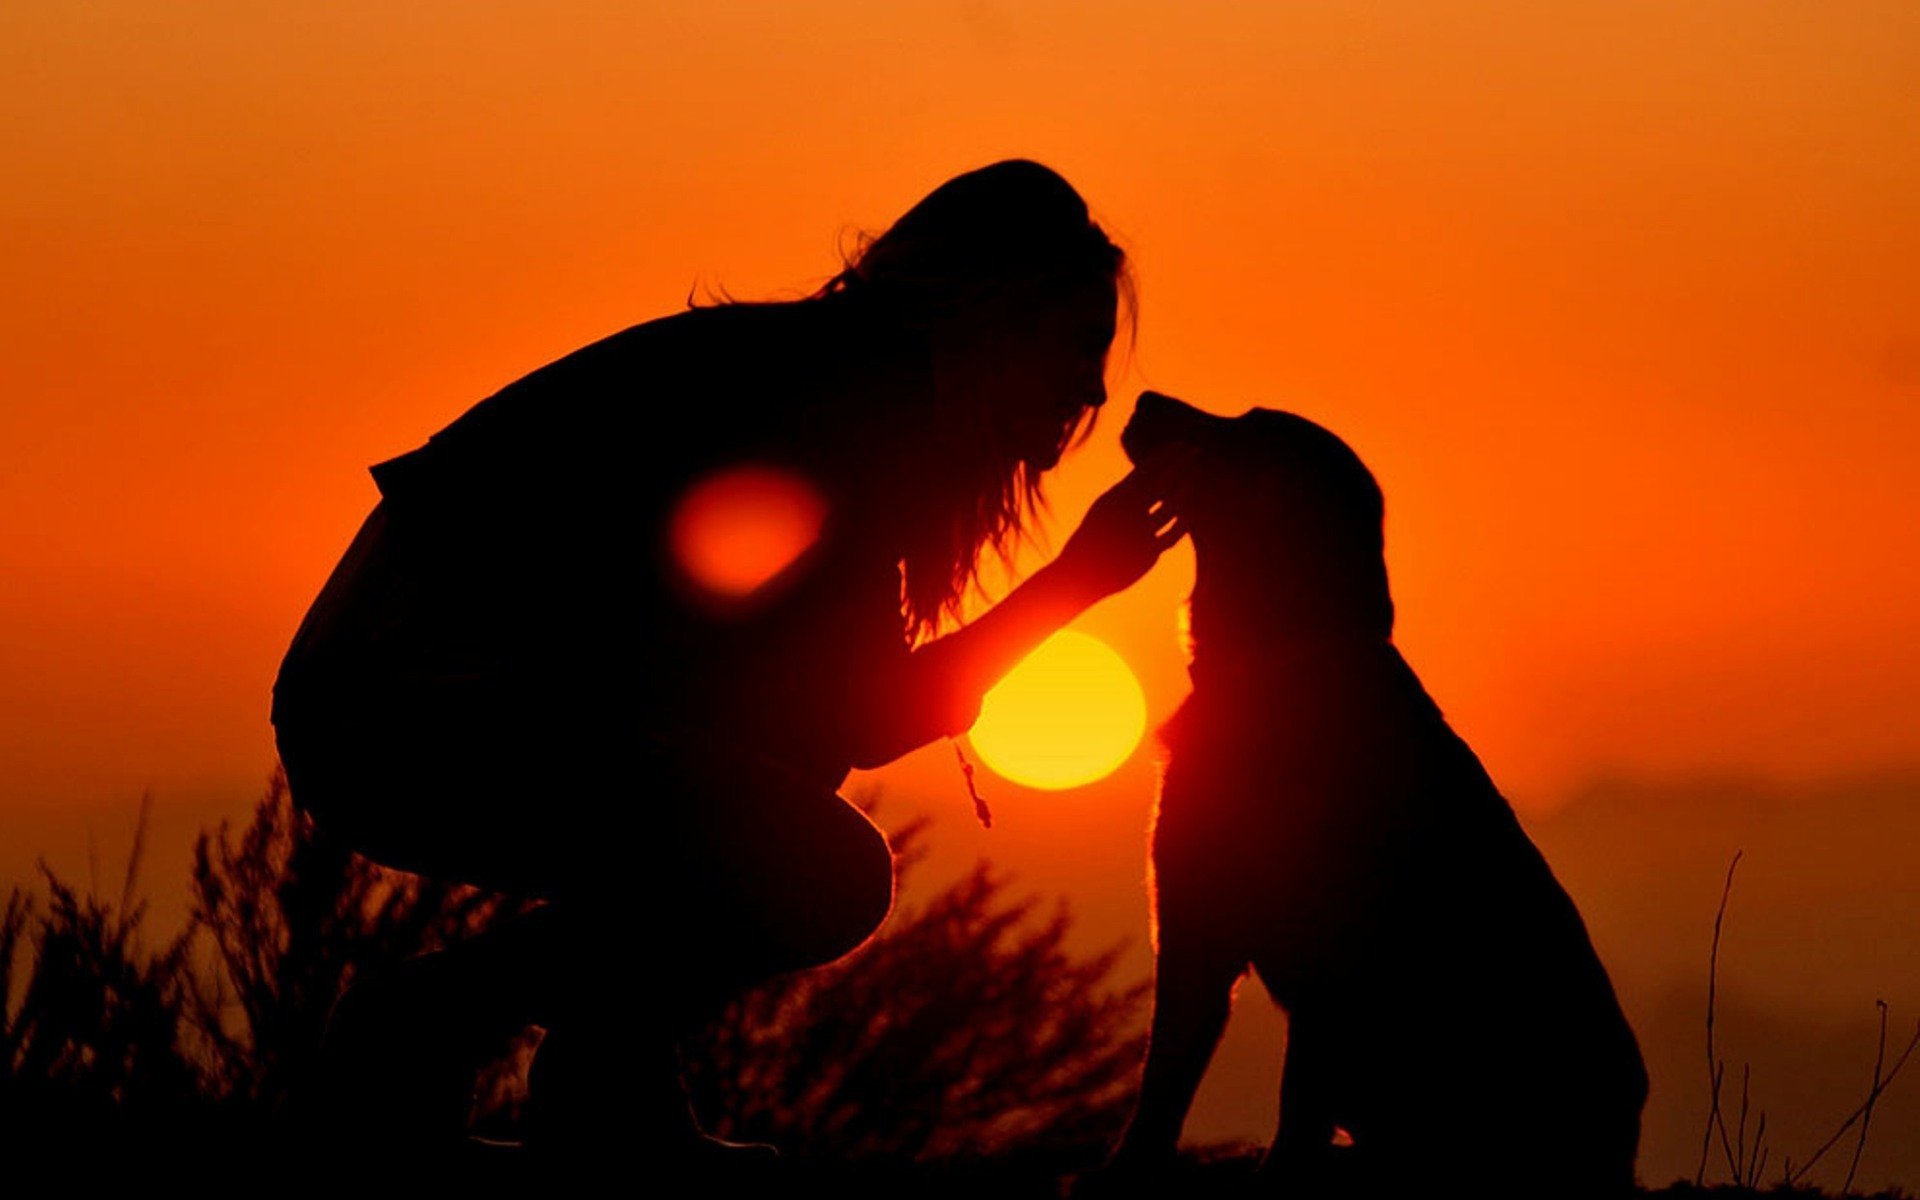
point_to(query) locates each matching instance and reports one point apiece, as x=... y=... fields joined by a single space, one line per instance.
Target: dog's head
x=1285 y=519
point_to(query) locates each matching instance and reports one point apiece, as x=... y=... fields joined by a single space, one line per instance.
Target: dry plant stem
x=1717 y=1074
x=139 y=849
x=1866 y=1118
x=1750 y=1159
x=1747 y=1172
x=1740 y=1137
x=1884 y=1081
x=1716 y=1070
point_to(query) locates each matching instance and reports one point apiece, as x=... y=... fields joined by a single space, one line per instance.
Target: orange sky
x=1620 y=302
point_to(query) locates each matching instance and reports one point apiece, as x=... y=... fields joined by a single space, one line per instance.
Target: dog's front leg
x=1301 y=1159
x=1192 y=996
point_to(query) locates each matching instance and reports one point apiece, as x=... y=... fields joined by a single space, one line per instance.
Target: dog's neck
x=1280 y=658
x=1277 y=675
x=1223 y=640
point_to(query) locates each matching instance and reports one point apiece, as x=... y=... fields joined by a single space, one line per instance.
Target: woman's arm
x=937 y=690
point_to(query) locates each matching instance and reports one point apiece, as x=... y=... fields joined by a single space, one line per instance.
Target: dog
x=1319 y=822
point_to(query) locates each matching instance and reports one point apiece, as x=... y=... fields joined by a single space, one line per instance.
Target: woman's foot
x=594 y=1099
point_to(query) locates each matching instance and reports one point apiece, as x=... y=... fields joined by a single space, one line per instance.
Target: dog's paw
x=1126 y=1174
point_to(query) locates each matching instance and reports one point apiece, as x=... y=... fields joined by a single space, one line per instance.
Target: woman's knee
x=867 y=897
x=851 y=896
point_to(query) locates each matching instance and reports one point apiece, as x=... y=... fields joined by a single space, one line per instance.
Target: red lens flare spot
x=737 y=528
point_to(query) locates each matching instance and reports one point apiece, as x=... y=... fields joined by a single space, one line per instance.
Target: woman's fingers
x=1171 y=534
x=1155 y=478
x=1130 y=525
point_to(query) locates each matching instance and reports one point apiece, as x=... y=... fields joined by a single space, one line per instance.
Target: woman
x=512 y=679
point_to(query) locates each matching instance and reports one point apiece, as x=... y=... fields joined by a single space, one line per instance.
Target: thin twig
x=1740 y=1139
x=1885 y=1082
x=1866 y=1118
x=1715 y=1068
x=139 y=849
x=1713 y=1120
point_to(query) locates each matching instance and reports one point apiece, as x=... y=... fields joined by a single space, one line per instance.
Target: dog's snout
x=1159 y=420
x=1152 y=402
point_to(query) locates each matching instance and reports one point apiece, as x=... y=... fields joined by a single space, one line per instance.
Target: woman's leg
x=673 y=887
x=680 y=870
x=768 y=875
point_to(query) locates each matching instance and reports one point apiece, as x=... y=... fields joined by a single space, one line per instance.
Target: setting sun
x=1069 y=714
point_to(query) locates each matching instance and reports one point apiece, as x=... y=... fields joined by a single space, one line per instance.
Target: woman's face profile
x=1048 y=368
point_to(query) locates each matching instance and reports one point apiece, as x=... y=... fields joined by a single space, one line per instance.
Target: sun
x=1069 y=714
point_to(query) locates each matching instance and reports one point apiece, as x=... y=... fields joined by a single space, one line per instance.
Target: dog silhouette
x=1319 y=822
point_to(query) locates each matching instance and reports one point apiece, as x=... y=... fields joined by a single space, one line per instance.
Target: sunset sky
x=1620 y=302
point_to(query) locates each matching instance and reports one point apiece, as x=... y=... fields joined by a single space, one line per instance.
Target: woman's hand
x=1118 y=540
x=1127 y=528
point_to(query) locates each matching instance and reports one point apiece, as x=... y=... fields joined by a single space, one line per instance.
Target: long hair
x=982 y=253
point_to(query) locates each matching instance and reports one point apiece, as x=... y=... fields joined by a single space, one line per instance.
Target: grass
x=964 y=1052
x=964 y=1033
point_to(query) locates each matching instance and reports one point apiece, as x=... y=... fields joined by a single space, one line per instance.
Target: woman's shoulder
x=619 y=370
x=682 y=388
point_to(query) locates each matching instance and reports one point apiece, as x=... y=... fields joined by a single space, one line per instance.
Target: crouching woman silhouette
x=521 y=676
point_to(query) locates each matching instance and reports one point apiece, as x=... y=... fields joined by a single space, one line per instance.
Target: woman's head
x=1015 y=290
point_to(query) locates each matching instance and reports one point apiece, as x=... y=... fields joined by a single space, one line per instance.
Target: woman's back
x=533 y=530
x=516 y=584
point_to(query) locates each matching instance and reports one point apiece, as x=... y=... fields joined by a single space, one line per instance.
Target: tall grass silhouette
x=965 y=1037
x=965 y=1028
x=94 y=1035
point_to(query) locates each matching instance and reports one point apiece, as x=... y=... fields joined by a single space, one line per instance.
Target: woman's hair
x=982 y=253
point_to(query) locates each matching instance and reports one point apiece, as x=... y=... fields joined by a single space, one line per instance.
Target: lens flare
x=1069 y=714
x=736 y=529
